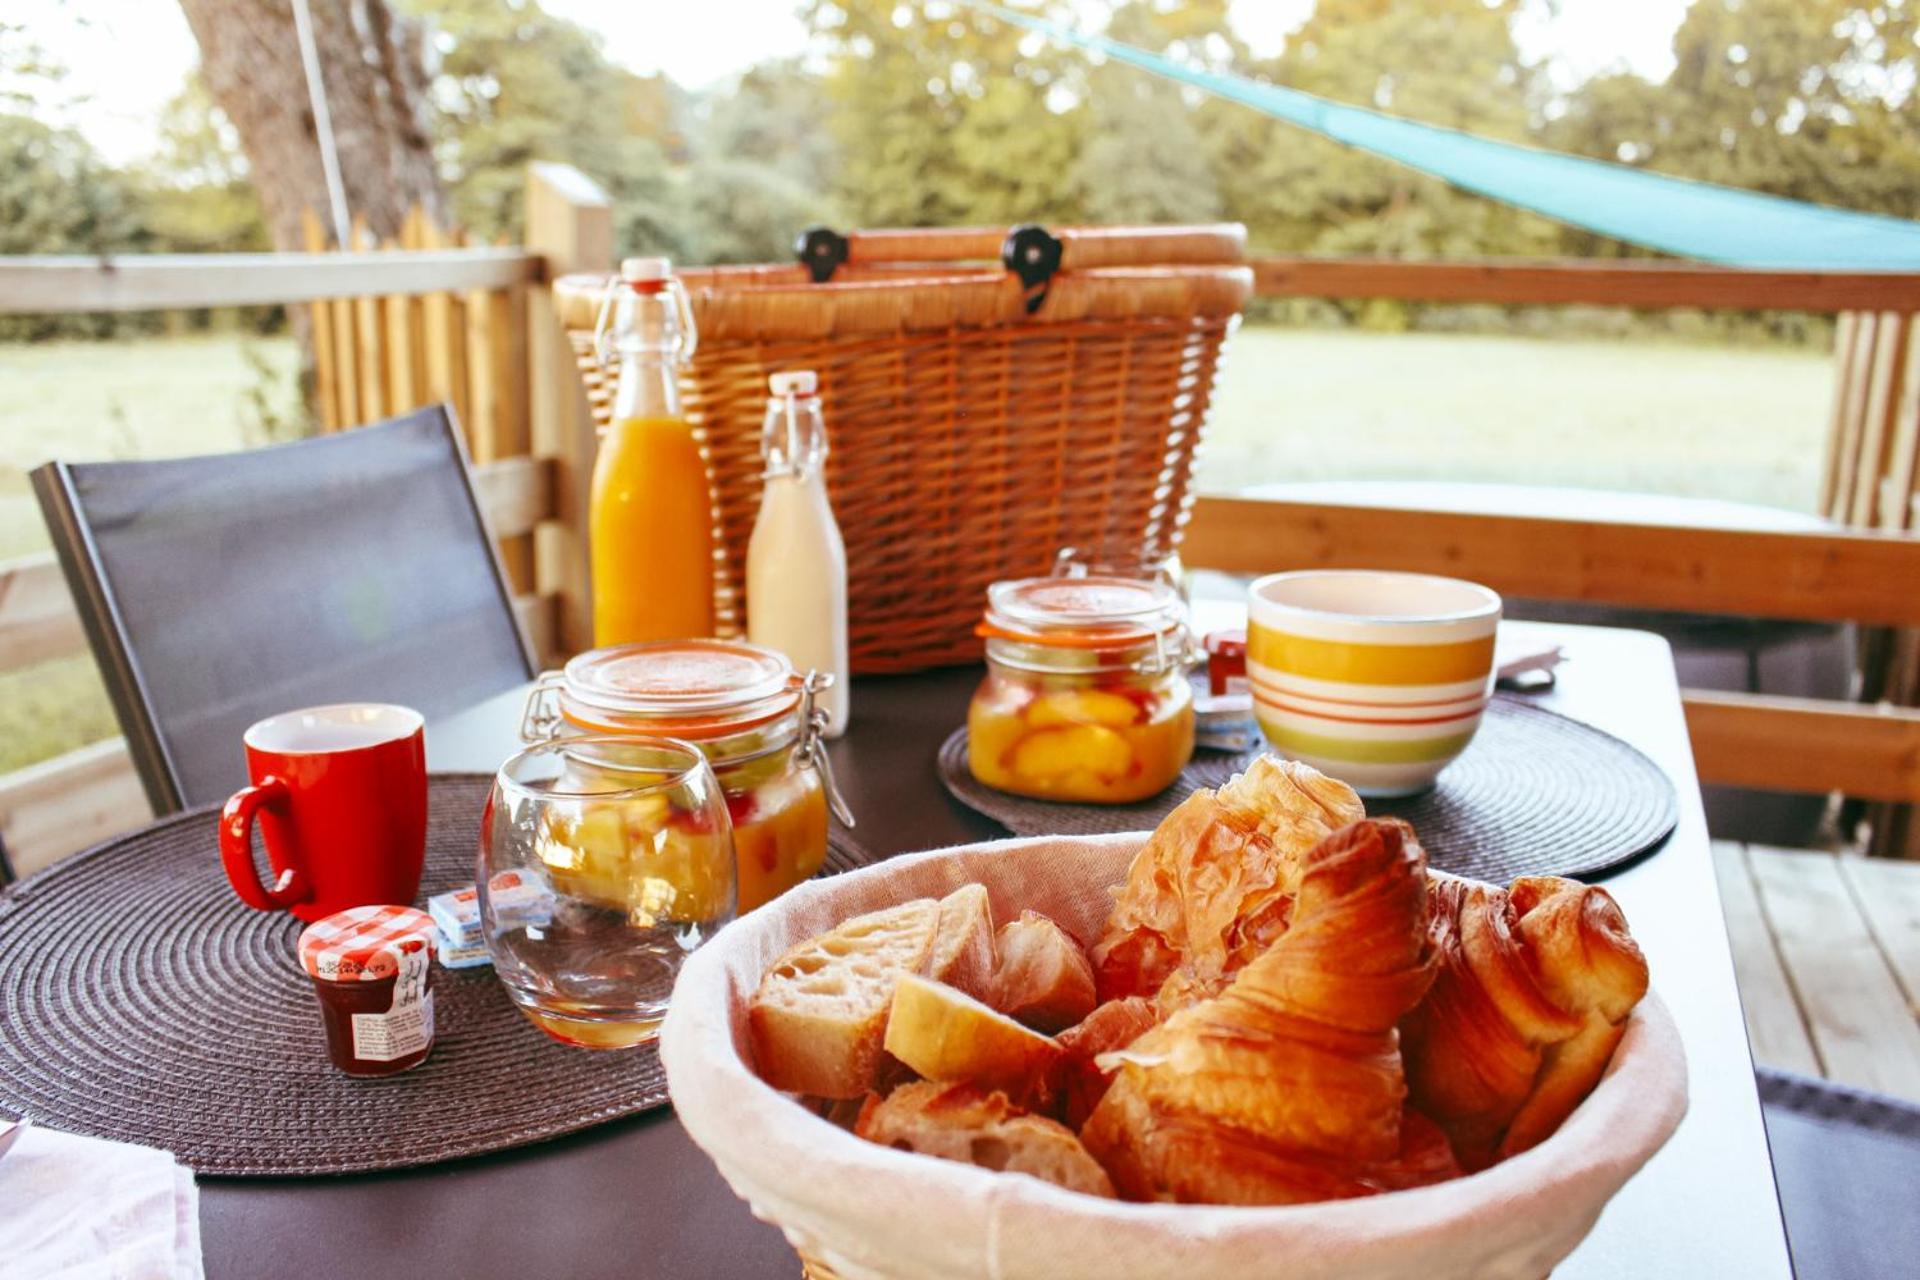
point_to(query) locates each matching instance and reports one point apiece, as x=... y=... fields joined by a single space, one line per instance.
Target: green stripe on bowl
x=1366 y=751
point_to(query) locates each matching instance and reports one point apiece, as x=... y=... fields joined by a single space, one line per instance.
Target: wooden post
x=1855 y=368
x=1878 y=425
x=368 y=321
x=445 y=316
x=1903 y=445
x=570 y=224
x=320 y=316
x=512 y=428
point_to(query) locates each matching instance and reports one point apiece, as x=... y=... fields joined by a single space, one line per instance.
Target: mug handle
x=236 y=849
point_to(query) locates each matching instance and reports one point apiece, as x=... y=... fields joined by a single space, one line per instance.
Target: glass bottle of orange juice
x=650 y=520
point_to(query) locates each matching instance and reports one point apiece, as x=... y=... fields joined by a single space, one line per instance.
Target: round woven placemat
x=1536 y=794
x=142 y=1002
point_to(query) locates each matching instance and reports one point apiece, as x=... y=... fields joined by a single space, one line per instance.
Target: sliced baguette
x=819 y=1017
x=963 y=951
x=944 y=1034
x=1043 y=978
x=961 y=1122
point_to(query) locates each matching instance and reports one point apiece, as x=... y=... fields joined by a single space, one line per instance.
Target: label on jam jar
x=406 y=1027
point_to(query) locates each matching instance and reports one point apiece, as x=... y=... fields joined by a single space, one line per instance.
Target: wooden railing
x=394 y=328
x=1872 y=461
x=1785 y=744
x=1866 y=571
x=416 y=322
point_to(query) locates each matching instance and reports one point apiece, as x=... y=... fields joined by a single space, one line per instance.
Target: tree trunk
x=372 y=64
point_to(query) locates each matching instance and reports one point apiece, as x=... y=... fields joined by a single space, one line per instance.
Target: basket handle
x=1081 y=248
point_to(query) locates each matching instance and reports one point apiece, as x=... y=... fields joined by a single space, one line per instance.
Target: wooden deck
x=1828 y=954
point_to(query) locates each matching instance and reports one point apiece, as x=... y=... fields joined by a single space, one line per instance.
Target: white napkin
x=74 y=1208
x=1517 y=654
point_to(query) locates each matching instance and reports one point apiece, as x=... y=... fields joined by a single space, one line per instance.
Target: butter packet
x=457 y=914
x=518 y=900
x=460 y=957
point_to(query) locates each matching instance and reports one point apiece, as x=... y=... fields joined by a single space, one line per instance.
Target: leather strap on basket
x=823 y=251
x=1033 y=255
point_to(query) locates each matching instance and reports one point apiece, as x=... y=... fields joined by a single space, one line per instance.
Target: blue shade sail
x=1674 y=215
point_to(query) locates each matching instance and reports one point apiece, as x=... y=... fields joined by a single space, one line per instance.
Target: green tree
x=946 y=117
x=1450 y=63
x=776 y=115
x=516 y=84
x=199 y=194
x=1809 y=99
x=764 y=164
x=1144 y=160
x=26 y=73
x=58 y=197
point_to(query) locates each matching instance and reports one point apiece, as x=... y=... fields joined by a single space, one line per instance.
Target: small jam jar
x=1086 y=695
x=372 y=971
x=751 y=714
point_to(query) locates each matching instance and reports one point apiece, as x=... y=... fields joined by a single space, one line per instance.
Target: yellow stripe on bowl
x=1363 y=751
x=1351 y=662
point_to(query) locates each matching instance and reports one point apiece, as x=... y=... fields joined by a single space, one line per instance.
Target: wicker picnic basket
x=981 y=416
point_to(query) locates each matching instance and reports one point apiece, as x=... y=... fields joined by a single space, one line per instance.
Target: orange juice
x=650 y=521
x=651 y=533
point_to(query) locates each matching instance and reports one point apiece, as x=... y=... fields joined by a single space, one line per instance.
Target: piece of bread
x=963 y=946
x=945 y=1034
x=1534 y=987
x=1214 y=885
x=1043 y=978
x=1111 y=1027
x=819 y=1017
x=961 y=1122
x=1191 y=1160
x=1292 y=1074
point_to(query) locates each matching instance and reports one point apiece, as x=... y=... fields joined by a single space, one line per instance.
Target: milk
x=796 y=561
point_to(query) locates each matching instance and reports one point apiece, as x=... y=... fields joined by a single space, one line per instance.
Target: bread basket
x=859 y=1211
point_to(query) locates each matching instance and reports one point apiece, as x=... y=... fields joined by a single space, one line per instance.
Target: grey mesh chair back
x=218 y=590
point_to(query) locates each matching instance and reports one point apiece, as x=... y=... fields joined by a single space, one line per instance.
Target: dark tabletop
x=637 y=1199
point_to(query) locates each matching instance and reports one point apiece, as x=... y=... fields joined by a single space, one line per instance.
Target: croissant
x=1215 y=883
x=1531 y=995
x=1288 y=1086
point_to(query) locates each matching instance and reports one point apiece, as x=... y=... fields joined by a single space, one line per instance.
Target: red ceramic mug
x=340 y=794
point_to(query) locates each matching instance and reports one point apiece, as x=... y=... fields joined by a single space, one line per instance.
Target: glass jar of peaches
x=746 y=708
x=1086 y=695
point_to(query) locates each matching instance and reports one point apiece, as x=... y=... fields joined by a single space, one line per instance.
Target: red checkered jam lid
x=363 y=944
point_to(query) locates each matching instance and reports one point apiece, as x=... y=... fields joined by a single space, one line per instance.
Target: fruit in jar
x=639 y=856
x=779 y=836
x=1064 y=707
x=1059 y=753
x=1069 y=738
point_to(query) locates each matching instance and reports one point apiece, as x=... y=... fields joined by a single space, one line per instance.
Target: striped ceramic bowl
x=1378 y=679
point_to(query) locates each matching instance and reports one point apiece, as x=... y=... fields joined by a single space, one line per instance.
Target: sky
x=126 y=58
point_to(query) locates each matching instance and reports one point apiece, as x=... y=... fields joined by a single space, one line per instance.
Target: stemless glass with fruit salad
x=603 y=863
x=746 y=708
x=1086 y=695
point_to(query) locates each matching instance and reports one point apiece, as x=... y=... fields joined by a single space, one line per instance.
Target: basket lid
x=694 y=688
x=1090 y=613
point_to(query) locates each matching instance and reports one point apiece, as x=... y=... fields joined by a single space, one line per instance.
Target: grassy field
x=83 y=401
x=1740 y=423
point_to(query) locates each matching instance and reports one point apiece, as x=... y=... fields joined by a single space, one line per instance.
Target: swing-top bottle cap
x=800 y=382
x=645 y=270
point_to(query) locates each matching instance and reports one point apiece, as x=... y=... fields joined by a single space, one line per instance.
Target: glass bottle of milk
x=796 y=562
